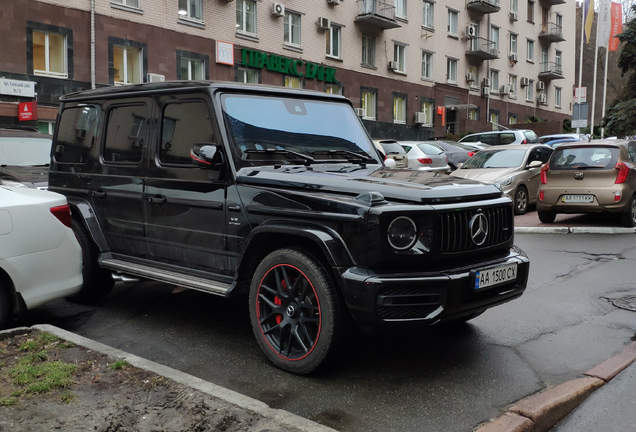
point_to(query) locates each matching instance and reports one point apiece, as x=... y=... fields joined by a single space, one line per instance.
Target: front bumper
x=430 y=297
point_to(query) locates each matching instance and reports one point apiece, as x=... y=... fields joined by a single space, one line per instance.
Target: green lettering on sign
x=287 y=66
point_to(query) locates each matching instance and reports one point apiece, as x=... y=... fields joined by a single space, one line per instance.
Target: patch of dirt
x=103 y=399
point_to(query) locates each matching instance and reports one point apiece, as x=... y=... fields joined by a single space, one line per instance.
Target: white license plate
x=495 y=276
x=577 y=198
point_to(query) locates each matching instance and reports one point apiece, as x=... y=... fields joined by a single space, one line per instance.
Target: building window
x=191 y=69
x=514 y=6
x=473 y=114
x=333 y=89
x=191 y=9
x=558 y=60
x=494 y=119
x=47 y=127
x=368 y=50
x=293 y=82
x=559 y=22
x=473 y=72
x=246 y=16
x=49 y=54
x=368 y=103
x=399 y=56
x=247 y=76
x=333 y=41
x=494 y=38
x=399 y=109
x=429 y=15
x=292 y=28
x=129 y=3
x=512 y=82
x=427 y=109
x=427 y=65
x=513 y=43
x=512 y=118
x=530 y=91
x=530 y=11
x=400 y=8
x=127 y=65
x=452 y=22
x=451 y=71
x=494 y=81
x=530 y=50
x=557 y=97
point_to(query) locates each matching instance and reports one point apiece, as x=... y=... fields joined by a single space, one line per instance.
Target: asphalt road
x=433 y=379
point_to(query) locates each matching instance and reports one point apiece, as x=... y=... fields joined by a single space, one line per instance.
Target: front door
x=185 y=205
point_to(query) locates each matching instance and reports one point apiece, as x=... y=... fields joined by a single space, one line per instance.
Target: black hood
x=402 y=185
x=31 y=176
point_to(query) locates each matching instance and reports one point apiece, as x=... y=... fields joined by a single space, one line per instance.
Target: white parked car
x=40 y=258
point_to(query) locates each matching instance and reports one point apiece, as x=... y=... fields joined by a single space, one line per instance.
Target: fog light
x=617 y=196
x=402 y=233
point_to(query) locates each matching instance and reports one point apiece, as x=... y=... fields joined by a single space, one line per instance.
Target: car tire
x=4 y=306
x=98 y=282
x=295 y=311
x=452 y=167
x=546 y=216
x=521 y=200
x=628 y=219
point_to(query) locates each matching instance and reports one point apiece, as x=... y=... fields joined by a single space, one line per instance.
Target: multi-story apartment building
x=415 y=68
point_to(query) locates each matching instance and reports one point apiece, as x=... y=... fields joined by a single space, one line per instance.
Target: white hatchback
x=40 y=258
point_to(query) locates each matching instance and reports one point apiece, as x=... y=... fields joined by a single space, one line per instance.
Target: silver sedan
x=425 y=156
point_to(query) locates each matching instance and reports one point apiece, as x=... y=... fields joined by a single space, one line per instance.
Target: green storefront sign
x=288 y=66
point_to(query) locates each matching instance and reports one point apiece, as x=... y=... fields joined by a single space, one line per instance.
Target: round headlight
x=402 y=233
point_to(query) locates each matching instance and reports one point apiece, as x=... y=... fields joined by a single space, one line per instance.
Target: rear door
x=185 y=205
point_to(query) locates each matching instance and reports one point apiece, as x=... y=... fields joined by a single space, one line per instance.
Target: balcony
x=377 y=13
x=483 y=6
x=552 y=33
x=551 y=70
x=482 y=49
x=553 y=2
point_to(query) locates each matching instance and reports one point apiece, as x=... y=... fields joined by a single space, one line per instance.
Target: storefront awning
x=455 y=107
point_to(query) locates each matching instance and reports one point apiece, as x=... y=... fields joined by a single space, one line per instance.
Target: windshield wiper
x=308 y=159
x=352 y=157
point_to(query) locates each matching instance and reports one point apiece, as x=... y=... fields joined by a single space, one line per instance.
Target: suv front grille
x=456 y=235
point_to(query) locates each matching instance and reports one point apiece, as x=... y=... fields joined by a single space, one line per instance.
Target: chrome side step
x=167 y=276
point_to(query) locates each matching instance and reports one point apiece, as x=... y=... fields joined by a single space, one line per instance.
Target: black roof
x=169 y=86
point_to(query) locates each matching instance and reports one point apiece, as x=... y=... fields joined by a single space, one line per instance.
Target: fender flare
x=83 y=208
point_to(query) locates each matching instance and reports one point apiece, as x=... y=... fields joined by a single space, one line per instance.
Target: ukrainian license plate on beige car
x=577 y=198
x=495 y=276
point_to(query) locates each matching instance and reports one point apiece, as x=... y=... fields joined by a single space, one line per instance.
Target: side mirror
x=535 y=164
x=208 y=156
x=389 y=163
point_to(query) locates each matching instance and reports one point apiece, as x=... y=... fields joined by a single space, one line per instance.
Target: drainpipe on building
x=488 y=76
x=92 y=44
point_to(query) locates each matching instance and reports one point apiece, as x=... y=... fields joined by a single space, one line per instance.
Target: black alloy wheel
x=628 y=219
x=98 y=282
x=521 y=200
x=295 y=311
x=4 y=306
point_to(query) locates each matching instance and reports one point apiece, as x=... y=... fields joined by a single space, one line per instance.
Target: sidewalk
x=584 y=223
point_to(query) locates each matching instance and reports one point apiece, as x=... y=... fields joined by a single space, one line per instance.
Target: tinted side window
x=490 y=139
x=507 y=138
x=631 y=149
x=76 y=134
x=183 y=125
x=470 y=138
x=126 y=130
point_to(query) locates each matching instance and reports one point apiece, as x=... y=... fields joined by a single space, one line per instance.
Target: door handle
x=99 y=193
x=158 y=199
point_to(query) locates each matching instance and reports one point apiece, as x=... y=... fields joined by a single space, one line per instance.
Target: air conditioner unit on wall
x=513 y=57
x=504 y=89
x=333 y=2
x=323 y=23
x=420 y=118
x=393 y=65
x=471 y=30
x=361 y=112
x=525 y=82
x=514 y=16
x=485 y=82
x=540 y=85
x=485 y=91
x=494 y=51
x=470 y=77
x=152 y=77
x=542 y=99
x=278 y=9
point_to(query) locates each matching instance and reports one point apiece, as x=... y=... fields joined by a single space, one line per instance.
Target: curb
x=280 y=416
x=542 y=411
x=574 y=230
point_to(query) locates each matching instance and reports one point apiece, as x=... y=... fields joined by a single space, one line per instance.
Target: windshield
x=496 y=159
x=25 y=151
x=268 y=130
x=584 y=158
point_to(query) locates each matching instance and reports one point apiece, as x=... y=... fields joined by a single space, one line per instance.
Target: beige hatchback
x=599 y=176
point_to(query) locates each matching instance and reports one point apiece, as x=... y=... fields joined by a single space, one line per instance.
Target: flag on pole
x=589 y=17
x=605 y=23
x=617 y=26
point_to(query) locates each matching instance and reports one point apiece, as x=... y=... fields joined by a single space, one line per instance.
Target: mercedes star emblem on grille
x=479 y=229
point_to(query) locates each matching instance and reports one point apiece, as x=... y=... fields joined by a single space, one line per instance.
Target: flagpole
x=598 y=21
x=578 y=99
x=604 y=91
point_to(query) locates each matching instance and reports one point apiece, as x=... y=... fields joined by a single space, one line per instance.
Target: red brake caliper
x=278 y=301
